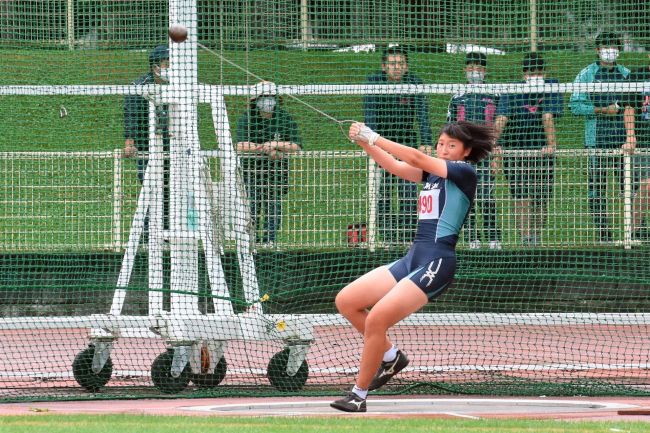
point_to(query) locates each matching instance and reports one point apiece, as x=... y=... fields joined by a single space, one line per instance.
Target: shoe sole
x=346 y=409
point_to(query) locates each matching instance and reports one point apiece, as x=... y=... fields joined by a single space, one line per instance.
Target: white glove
x=368 y=134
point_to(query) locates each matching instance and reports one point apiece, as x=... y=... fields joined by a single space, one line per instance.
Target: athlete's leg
x=354 y=299
x=403 y=300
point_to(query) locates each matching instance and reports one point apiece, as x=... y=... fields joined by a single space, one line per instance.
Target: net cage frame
x=191 y=333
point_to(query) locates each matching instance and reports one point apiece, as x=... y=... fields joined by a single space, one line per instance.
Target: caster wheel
x=83 y=372
x=213 y=379
x=277 y=373
x=162 y=377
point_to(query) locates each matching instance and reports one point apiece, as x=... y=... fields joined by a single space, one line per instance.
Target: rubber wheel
x=213 y=379
x=83 y=372
x=162 y=377
x=277 y=373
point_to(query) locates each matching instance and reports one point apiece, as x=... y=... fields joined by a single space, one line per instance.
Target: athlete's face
x=451 y=149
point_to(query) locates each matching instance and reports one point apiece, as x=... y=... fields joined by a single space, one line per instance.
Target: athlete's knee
x=341 y=302
x=346 y=304
x=376 y=324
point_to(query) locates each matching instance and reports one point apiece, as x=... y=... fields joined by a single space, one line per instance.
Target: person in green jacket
x=266 y=133
x=609 y=124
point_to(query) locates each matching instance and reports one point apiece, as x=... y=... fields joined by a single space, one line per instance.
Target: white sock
x=390 y=354
x=363 y=393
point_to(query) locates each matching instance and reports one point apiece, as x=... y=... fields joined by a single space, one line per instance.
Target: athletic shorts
x=423 y=265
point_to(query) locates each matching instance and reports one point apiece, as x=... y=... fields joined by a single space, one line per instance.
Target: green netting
x=195 y=267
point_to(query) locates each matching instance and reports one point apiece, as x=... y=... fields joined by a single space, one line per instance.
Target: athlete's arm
x=414 y=158
x=388 y=162
x=412 y=162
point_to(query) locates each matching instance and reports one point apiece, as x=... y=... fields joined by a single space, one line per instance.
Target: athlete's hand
x=360 y=132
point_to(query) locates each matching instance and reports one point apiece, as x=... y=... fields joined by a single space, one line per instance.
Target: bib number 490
x=428 y=205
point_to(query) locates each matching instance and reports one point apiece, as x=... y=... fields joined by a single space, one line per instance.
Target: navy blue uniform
x=442 y=208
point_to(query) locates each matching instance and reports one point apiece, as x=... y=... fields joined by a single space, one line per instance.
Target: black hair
x=532 y=62
x=157 y=55
x=477 y=137
x=608 y=39
x=475 y=58
x=394 y=51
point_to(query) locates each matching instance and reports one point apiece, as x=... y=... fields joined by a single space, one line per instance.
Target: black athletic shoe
x=350 y=403
x=387 y=370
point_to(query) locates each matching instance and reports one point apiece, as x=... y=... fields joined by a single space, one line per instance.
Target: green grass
x=149 y=424
x=95 y=124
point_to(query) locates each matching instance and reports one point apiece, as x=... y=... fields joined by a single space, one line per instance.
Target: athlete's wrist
x=368 y=134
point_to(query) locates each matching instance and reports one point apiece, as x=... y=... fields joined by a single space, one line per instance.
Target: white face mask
x=475 y=77
x=535 y=80
x=266 y=104
x=608 y=55
x=163 y=74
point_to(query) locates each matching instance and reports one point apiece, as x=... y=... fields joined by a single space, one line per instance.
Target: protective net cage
x=177 y=218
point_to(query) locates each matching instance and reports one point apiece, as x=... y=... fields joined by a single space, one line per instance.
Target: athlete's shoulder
x=462 y=168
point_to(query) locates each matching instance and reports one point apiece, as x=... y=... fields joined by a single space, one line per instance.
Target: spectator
x=605 y=126
x=641 y=161
x=479 y=108
x=136 y=123
x=526 y=122
x=266 y=133
x=394 y=117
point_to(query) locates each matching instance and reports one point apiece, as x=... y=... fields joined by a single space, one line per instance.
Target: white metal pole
x=117 y=200
x=184 y=149
x=155 y=169
x=238 y=211
x=533 y=25
x=70 y=24
x=627 y=201
x=304 y=23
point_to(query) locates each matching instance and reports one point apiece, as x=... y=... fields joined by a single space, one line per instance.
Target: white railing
x=84 y=200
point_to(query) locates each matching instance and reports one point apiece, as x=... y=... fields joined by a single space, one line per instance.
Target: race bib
x=428 y=204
